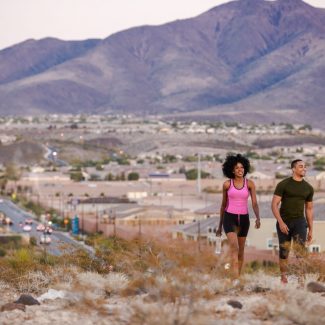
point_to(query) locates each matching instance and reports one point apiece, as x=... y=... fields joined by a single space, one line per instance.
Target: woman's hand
x=218 y=232
x=257 y=223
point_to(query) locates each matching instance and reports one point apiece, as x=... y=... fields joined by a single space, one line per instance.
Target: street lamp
x=199 y=173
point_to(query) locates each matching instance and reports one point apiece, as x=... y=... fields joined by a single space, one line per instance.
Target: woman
x=234 y=208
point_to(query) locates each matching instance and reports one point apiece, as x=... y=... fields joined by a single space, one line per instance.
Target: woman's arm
x=252 y=190
x=225 y=188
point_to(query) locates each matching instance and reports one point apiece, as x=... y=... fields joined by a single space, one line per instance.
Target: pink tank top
x=237 y=199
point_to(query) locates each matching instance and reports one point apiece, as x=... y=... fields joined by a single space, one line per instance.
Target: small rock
x=259 y=289
x=27 y=300
x=151 y=298
x=315 y=287
x=141 y=291
x=51 y=295
x=235 y=304
x=12 y=306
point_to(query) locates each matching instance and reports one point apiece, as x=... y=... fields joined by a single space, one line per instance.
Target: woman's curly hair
x=231 y=161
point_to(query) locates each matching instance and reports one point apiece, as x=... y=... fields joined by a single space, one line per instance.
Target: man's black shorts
x=238 y=223
x=297 y=232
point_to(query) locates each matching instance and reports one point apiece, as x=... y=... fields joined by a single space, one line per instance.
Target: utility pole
x=82 y=218
x=139 y=221
x=114 y=222
x=199 y=173
x=199 y=235
x=96 y=218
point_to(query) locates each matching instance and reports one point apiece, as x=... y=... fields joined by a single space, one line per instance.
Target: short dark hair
x=294 y=162
x=231 y=161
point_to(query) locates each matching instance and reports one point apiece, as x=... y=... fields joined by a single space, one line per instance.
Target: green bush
x=76 y=176
x=133 y=176
x=193 y=173
x=33 y=241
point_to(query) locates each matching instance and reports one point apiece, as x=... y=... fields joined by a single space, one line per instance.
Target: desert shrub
x=33 y=241
x=22 y=260
x=2 y=252
x=10 y=241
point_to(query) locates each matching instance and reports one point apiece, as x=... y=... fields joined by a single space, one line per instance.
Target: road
x=52 y=155
x=58 y=239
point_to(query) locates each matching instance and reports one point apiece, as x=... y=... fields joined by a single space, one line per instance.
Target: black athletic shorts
x=297 y=233
x=238 y=223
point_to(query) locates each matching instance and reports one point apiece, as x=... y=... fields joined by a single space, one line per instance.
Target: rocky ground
x=102 y=299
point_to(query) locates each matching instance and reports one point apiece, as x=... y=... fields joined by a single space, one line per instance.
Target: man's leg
x=284 y=250
x=299 y=235
x=283 y=263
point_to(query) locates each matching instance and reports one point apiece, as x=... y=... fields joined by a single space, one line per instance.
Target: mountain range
x=246 y=60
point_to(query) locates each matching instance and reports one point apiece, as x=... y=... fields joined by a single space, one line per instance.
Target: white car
x=45 y=239
x=48 y=230
x=27 y=228
x=40 y=227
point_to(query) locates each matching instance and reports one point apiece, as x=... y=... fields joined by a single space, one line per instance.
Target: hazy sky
x=82 y=19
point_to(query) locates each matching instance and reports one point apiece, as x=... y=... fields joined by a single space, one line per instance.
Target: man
x=296 y=198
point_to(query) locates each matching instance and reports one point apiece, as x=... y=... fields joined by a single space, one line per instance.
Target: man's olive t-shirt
x=294 y=194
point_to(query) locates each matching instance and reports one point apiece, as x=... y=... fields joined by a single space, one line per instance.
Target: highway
x=58 y=239
x=52 y=155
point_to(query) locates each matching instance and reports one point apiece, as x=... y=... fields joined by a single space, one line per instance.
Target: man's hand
x=309 y=237
x=257 y=223
x=284 y=228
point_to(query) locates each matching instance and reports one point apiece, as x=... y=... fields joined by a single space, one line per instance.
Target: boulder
x=315 y=287
x=235 y=304
x=12 y=306
x=27 y=300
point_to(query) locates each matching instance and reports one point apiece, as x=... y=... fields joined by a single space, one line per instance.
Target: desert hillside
x=149 y=282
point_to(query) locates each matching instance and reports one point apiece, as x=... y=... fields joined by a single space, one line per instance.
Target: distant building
x=166 y=176
x=264 y=238
x=46 y=177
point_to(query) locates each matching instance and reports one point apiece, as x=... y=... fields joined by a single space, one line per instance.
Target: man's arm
x=309 y=210
x=275 y=209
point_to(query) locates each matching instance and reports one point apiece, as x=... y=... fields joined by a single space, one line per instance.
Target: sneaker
x=235 y=283
x=284 y=279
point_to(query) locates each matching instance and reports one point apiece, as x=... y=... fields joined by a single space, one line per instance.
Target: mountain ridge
x=243 y=56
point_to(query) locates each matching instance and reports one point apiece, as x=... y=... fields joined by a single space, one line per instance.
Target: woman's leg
x=233 y=249
x=241 y=249
x=244 y=224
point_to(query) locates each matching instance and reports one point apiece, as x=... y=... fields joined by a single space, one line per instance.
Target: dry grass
x=164 y=282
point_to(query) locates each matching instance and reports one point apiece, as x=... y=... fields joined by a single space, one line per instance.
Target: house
x=46 y=177
x=203 y=229
x=264 y=238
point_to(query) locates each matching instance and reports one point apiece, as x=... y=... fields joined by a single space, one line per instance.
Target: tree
x=109 y=177
x=193 y=173
x=133 y=176
x=77 y=176
x=12 y=173
x=99 y=167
